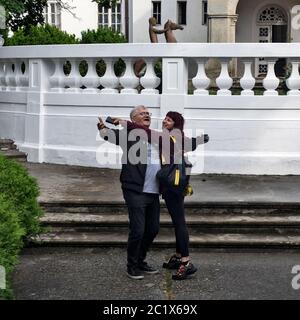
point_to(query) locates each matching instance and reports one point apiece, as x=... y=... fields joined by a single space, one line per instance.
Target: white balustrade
x=150 y=81
x=57 y=80
x=109 y=81
x=201 y=81
x=91 y=80
x=224 y=81
x=293 y=82
x=271 y=82
x=74 y=80
x=129 y=80
x=247 y=82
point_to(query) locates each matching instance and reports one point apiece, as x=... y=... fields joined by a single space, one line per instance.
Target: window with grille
x=52 y=14
x=204 y=12
x=181 y=5
x=272 y=15
x=156 y=11
x=110 y=17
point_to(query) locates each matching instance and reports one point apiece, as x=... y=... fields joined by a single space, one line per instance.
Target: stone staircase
x=9 y=149
x=218 y=225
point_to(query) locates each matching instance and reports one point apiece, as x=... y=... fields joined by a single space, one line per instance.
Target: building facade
x=203 y=20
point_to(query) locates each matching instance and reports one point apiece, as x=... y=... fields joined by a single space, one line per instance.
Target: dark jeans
x=175 y=205
x=144 y=210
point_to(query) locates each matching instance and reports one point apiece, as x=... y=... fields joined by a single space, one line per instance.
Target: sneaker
x=134 y=273
x=173 y=263
x=184 y=271
x=144 y=267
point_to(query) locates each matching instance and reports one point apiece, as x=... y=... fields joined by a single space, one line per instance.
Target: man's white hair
x=134 y=111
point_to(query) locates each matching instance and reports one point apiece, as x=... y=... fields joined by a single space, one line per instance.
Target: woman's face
x=168 y=123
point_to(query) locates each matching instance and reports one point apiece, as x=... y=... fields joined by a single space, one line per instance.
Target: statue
x=153 y=32
x=169 y=27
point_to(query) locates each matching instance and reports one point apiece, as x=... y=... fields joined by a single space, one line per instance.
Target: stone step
x=211 y=224
x=14 y=154
x=203 y=220
x=7 y=144
x=118 y=207
x=218 y=240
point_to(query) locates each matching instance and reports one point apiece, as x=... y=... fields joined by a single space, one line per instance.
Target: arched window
x=272 y=15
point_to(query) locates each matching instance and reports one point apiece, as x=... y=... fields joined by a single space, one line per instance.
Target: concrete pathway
x=71 y=183
x=99 y=273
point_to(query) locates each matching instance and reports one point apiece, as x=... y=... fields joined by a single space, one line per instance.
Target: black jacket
x=132 y=175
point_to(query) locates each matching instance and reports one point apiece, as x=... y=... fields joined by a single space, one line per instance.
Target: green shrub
x=102 y=35
x=19 y=213
x=11 y=234
x=22 y=191
x=41 y=35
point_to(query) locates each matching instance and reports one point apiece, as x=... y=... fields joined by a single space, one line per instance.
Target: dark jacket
x=132 y=175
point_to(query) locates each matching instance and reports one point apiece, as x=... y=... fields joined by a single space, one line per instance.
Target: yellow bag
x=188 y=191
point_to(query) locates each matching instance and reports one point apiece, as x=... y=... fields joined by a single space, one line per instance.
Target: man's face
x=142 y=117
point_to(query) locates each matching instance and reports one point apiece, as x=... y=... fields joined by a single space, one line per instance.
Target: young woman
x=178 y=144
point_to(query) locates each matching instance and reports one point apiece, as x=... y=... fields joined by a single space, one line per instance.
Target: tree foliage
x=22 y=14
x=106 y=3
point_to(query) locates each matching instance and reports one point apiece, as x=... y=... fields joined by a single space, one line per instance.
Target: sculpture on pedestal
x=169 y=27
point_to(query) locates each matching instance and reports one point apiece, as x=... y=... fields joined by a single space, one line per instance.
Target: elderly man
x=140 y=190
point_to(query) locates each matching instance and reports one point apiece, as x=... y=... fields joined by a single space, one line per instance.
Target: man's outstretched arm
x=107 y=134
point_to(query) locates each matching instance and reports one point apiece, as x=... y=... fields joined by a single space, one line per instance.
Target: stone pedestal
x=221 y=28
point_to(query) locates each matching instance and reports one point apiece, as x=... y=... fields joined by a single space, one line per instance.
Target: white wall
x=248 y=134
x=86 y=12
x=194 y=31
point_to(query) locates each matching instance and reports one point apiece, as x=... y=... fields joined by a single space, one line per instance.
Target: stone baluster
x=91 y=80
x=11 y=76
x=74 y=80
x=129 y=80
x=109 y=80
x=247 y=82
x=22 y=80
x=271 y=82
x=2 y=76
x=25 y=78
x=293 y=82
x=57 y=80
x=5 y=73
x=150 y=81
x=201 y=81
x=224 y=81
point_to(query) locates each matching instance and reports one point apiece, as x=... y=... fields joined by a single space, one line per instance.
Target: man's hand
x=117 y=121
x=100 y=124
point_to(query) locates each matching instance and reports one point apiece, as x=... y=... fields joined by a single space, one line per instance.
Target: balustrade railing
x=14 y=69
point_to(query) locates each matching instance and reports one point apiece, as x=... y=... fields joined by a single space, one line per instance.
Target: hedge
x=19 y=213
